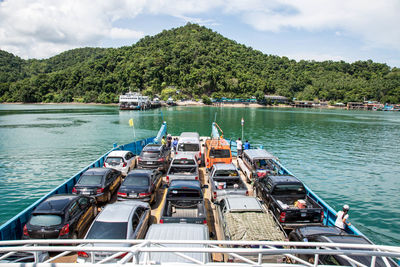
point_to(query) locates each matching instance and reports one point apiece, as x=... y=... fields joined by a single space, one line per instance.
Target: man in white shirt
x=239 y=147
x=341 y=217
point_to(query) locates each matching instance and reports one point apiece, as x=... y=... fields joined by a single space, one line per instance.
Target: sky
x=348 y=30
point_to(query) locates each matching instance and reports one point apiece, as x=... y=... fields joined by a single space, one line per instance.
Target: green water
x=350 y=157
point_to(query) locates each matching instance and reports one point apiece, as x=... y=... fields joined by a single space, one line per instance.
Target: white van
x=189 y=142
x=176 y=231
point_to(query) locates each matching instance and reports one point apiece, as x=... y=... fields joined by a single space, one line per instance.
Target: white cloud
x=118 y=33
x=42 y=28
x=375 y=22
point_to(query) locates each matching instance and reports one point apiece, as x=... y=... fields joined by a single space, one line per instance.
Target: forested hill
x=196 y=61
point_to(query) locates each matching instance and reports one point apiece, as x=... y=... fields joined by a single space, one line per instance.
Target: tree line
x=190 y=62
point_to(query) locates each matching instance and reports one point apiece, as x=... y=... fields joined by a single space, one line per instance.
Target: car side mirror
x=165 y=186
x=205 y=186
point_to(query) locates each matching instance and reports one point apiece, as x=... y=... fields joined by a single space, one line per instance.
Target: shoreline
x=186 y=104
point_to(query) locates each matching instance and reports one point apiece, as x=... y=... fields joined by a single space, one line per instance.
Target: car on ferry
x=331 y=234
x=216 y=150
x=121 y=160
x=176 y=231
x=120 y=220
x=257 y=163
x=189 y=143
x=183 y=166
x=140 y=184
x=154 y=156
x=101 y=183
x=225 y=180
x=61 y=216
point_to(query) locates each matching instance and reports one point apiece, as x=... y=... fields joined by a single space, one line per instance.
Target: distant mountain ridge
x=197 y=61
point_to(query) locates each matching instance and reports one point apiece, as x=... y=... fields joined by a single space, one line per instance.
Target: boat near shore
x=245 y=253
x=134 y=101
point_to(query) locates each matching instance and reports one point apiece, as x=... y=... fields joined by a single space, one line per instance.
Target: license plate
x=303 y=214
x=132 y=195
x=85 y=193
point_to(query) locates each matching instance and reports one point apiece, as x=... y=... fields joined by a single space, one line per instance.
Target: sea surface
x=346 y=157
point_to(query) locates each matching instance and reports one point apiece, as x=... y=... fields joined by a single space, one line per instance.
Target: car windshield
x=45 y=220
x=114 y=160
x=188 y=147
x=183 y=162
x=289 y=189
x=136 y=180
x=150 y=154
x=90 y=180
x=226 y=173
x=220 y=153
x=187 y=193
x=182 y=170
x=108 y=230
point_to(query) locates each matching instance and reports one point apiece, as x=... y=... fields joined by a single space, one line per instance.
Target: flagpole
x=242 y=122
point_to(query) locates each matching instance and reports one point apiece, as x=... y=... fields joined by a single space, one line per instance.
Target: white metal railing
x=250 y=253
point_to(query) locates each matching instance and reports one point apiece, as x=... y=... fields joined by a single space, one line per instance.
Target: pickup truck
x=257 y=163
x=184 y=166
x=225 y=180
x=245 y=218
x=287 y=198
x=184 y=203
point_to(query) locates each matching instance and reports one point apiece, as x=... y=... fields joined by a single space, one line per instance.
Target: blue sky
x=348 y=30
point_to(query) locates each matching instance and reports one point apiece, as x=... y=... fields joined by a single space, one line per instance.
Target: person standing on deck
x=169 y=140
x=239 y=147
x=246 y=145
x=175 y=144
x=163 y=141
x=341 y=217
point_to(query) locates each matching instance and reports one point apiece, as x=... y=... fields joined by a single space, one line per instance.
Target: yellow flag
x=131 y=122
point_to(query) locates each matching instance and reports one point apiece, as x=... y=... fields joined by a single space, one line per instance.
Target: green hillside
x=198 y=62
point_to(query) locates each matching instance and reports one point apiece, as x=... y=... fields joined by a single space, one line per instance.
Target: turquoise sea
x=346 y=157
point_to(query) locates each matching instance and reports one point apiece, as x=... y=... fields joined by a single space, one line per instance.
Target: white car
x=121 y=160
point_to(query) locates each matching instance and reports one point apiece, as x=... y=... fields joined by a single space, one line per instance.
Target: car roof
x=152 y=147
x=243 y=203
x=190 y=140
x=141 y=172
x=118 y=153
x=55 y=203
x=319 y=230
x=177 y=231
x=191 y=184
x=284 y=178
x=119 y=211
x=224 y=166
x=258 y=154
x=97 y=171
x=184 y=155
x=350 y=239
x=190 y=135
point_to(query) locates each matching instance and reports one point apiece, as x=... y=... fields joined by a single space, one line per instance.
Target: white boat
x=134 y=101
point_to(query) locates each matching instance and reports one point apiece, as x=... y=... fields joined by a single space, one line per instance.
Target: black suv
x=331 y=234
x=155 y=156
x=61 y=216
x=101 y=183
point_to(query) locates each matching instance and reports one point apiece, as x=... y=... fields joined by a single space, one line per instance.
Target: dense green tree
x=196 y=61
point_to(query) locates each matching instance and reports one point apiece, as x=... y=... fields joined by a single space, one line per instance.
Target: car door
x=113 y=180
x=87 y=213
x=143 y=214
x=74 y=213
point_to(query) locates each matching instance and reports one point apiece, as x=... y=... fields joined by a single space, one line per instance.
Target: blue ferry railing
x=13 y=228
x=329 y=212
